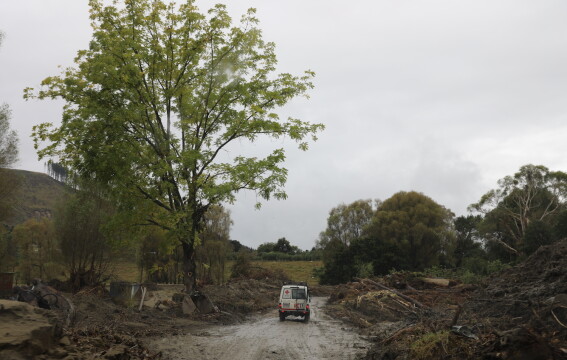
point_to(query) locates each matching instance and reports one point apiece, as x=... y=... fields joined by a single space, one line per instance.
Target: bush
x=364 y=270
x=242 y=266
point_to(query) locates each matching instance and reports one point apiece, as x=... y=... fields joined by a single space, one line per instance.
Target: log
x=439 y=282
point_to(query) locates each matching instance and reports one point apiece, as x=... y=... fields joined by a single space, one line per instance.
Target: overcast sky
x=441 y=97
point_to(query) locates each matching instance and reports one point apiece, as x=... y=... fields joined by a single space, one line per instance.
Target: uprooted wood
x=398 y=333
x=46 y=297
x=383 y=287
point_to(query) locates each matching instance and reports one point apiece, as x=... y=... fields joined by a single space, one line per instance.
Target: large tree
x=412 y=230
x=345 y=225
x=346 y=222
x=529 y=199
x=155 y=103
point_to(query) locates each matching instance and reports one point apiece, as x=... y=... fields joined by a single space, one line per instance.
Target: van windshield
x=298 y=294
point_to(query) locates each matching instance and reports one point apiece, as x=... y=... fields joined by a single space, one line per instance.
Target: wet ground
x=265 y=337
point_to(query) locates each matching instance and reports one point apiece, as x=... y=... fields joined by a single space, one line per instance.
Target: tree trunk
x=189 y=267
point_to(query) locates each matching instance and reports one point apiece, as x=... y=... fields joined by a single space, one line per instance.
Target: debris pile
x=519 y=313
x=240 y=297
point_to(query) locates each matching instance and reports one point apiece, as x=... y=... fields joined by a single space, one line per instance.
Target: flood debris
x=519 y=313
x=46 y=297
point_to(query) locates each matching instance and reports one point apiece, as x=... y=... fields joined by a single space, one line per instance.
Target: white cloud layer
x=443 y=97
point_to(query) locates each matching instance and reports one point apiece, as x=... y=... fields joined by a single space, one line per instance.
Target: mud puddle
x=265 y=337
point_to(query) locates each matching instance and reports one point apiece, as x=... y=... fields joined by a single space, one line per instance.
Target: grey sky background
x=441 y=97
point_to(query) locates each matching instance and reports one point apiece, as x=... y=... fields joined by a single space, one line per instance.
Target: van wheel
x=282 y=317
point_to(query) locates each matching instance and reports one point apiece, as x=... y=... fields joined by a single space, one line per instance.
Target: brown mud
x=265 y=337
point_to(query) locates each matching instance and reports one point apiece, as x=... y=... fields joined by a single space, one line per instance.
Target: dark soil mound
x=542 y=275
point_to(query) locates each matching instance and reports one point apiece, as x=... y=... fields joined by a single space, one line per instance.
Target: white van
x=294 y=300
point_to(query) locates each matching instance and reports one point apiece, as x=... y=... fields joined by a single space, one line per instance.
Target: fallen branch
x=397 y=333
x=407 y=298
x=556 y=319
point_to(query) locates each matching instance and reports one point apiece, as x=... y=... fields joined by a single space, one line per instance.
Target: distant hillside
x=37 y=195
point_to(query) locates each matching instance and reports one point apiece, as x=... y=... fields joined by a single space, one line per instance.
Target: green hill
x=37 y=195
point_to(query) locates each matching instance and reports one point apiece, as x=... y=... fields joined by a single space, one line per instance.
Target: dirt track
x=265 y=337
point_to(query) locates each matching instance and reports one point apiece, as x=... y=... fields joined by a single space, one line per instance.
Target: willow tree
x=155 y=102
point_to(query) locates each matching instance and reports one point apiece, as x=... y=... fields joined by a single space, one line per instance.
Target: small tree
x=85 y=247
x=214 y=248
x=242 y=267
x=266 y=247
x=37 y=249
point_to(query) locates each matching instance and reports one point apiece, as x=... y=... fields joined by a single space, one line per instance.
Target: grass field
x=126 y=271
x=295 y=270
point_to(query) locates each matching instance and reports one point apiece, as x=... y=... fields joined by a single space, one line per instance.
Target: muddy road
x=265 y=337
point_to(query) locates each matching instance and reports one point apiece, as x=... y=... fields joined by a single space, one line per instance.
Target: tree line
x=85 y=239
x=410 y=231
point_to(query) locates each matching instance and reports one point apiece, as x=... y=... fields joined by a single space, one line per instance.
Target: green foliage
x=213 y=251
x=8 y=250
x=284 y=246
x=407 y=231
x=468 y=240
x=430 y=345
x=346 y=223
x=38 y=251
x=340 y=268
x=282 y=250
x=160 y=257
x=364 y=270
x=414 y=228
x=472 y=272
x=538 y=233
x=85 y=240
x=560 y=225
x=8 y=139
x=242 y=267
x=157 y=98
x=279 y=256
x=533 y=195
x=266 y=247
